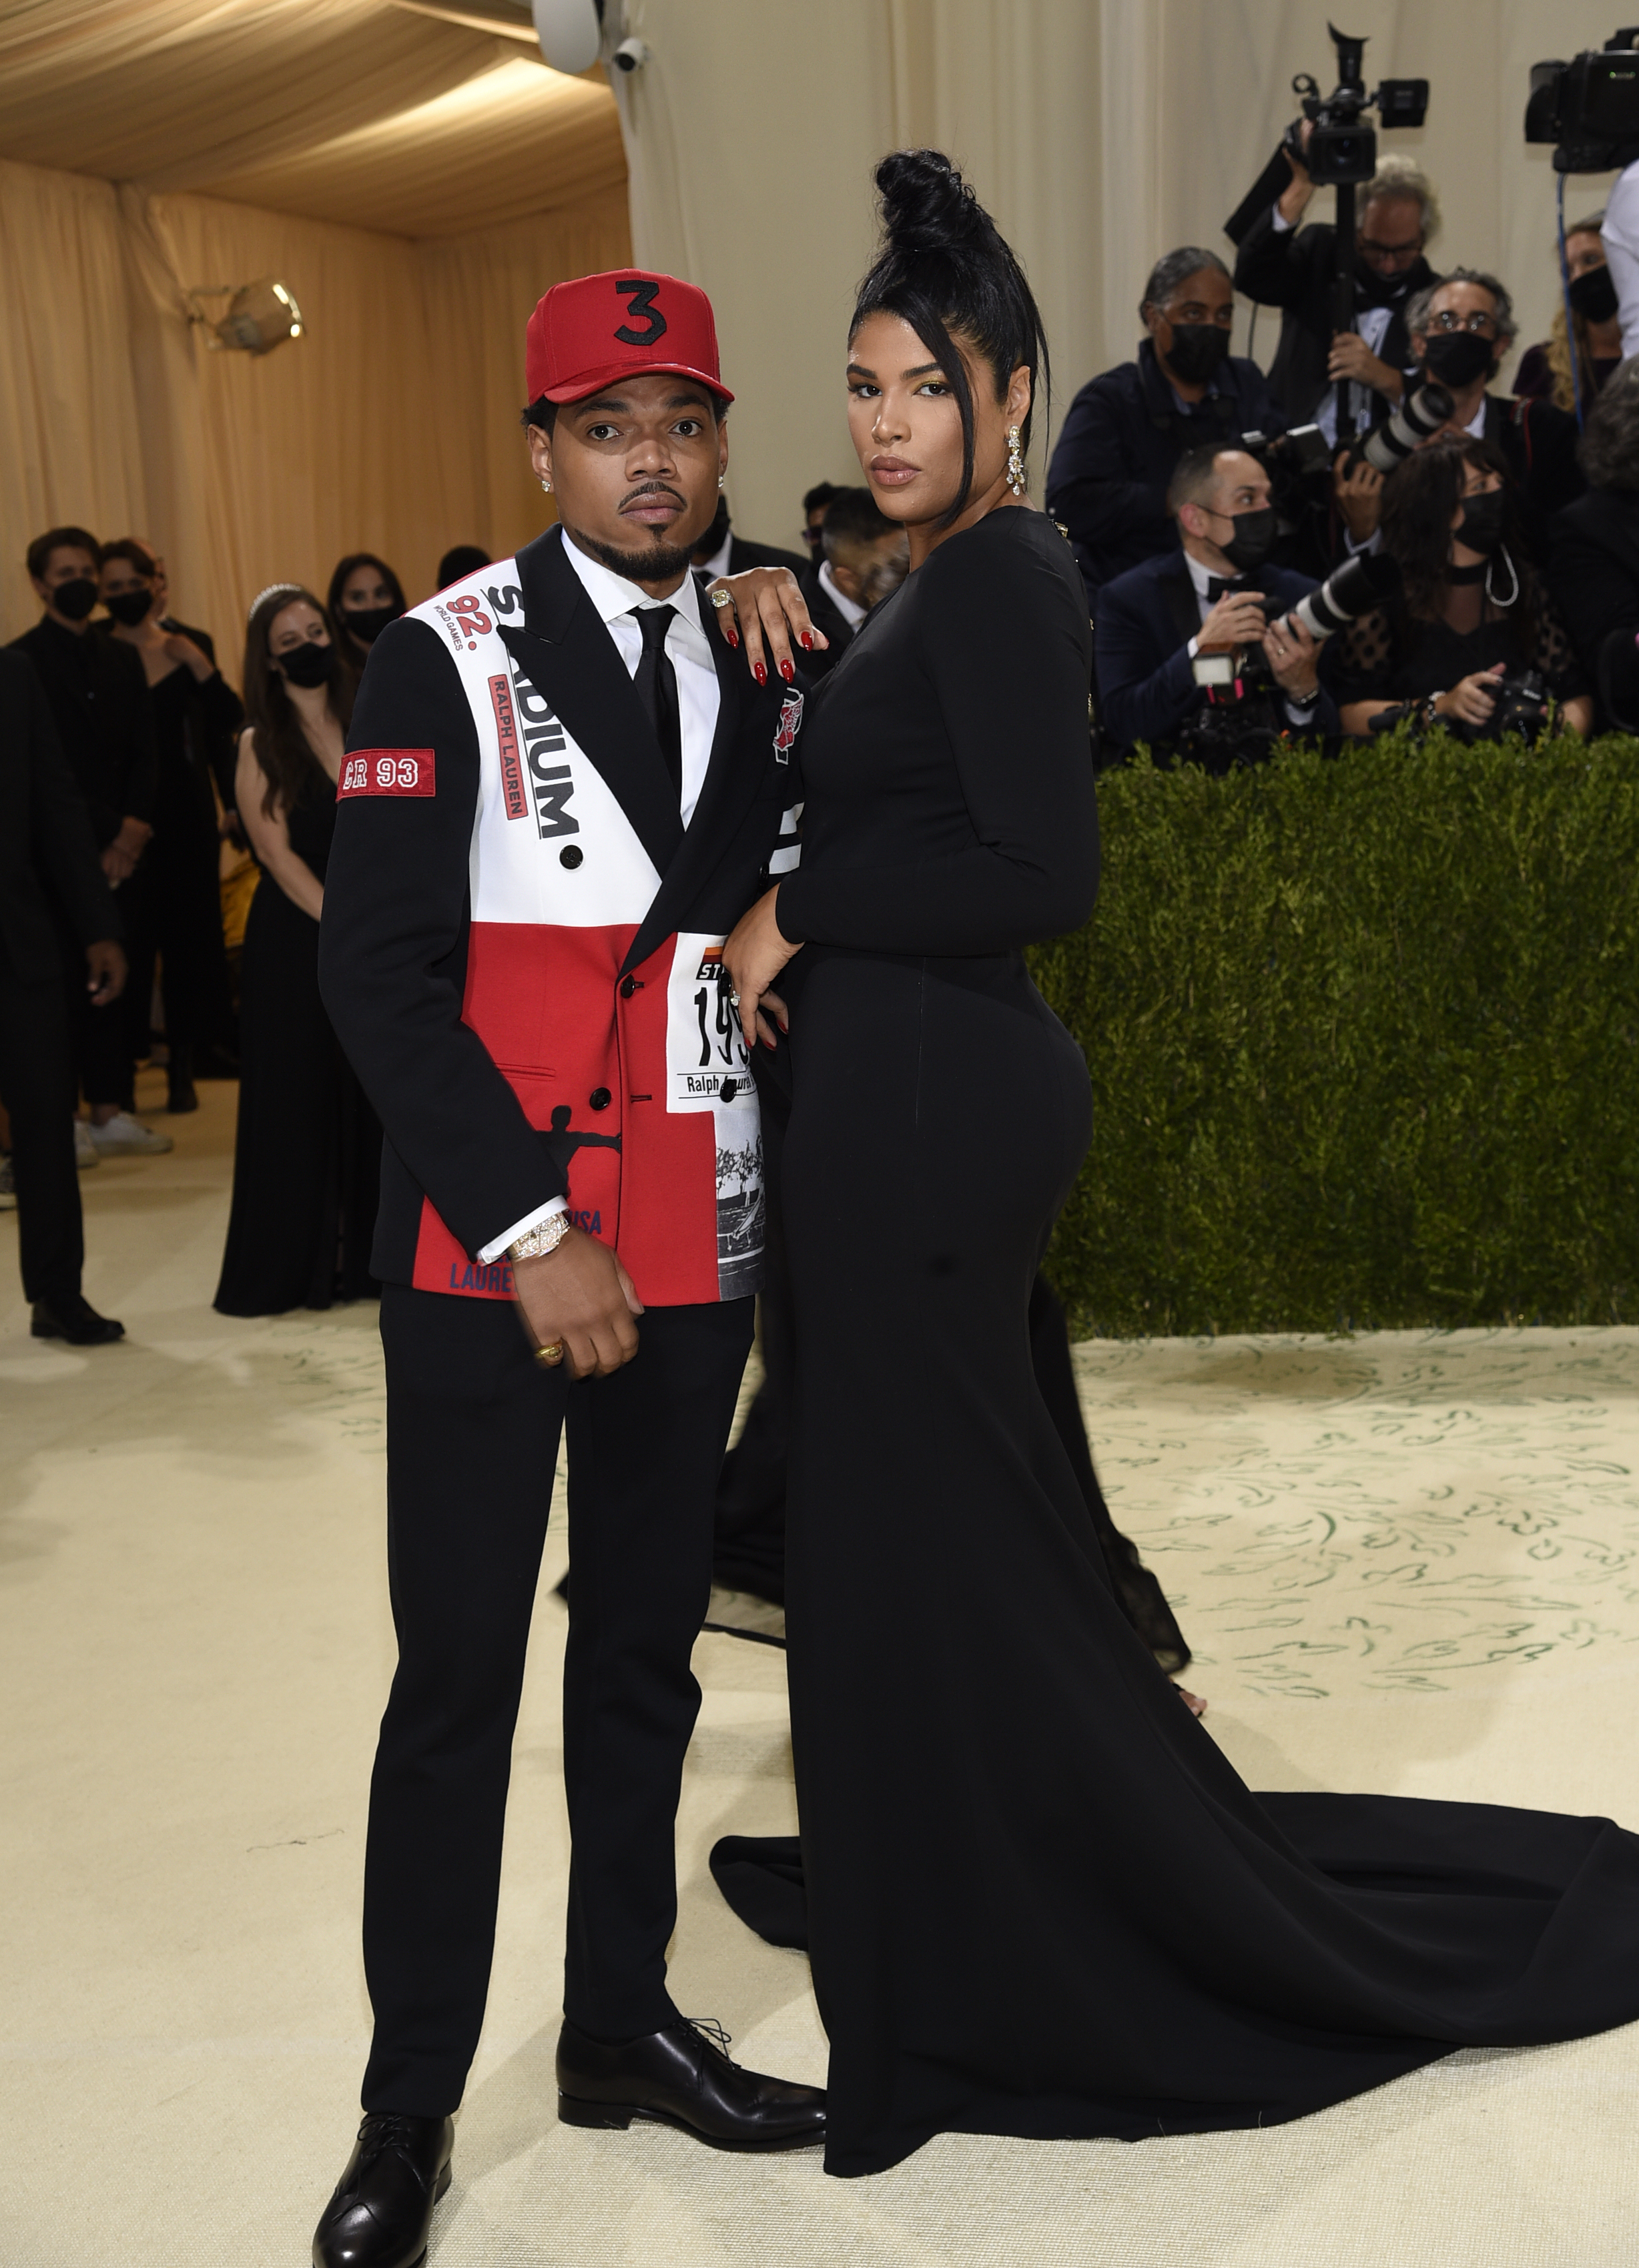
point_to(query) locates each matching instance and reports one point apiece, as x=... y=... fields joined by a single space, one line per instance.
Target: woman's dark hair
x=134 y=552
x=1608 y=452
x=944 y=268
x=337 y=612
x=1420 y=500
x=291 y=770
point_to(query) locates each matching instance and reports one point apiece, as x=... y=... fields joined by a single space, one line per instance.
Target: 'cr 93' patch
x=386 y=771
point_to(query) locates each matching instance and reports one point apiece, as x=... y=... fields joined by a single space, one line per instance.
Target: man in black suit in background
x=47 y=855
x=98 y=693
x=1347 y=382
x=1127 y=428
x=1154 y=622
x=719 y=551
x=864 y=557
x=1593 y=558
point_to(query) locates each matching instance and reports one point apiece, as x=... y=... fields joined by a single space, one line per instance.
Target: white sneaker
x=84 y=1148
x=123 y=1137
x=8 y=1186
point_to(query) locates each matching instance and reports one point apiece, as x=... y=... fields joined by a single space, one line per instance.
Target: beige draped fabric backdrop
x=1101 y=132
x=390 y=427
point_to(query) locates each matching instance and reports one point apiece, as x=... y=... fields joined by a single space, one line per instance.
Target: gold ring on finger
x=550 y=1356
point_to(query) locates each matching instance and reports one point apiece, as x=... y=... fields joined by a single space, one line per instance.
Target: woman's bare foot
x=1193 y=1702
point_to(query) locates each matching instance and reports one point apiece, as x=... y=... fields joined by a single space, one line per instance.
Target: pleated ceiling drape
x=390 y=426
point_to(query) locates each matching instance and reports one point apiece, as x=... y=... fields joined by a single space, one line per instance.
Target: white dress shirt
x=687 y=648
x=1297 y=712
x=851 y=611
x=1620 y=233
x=1372 y=323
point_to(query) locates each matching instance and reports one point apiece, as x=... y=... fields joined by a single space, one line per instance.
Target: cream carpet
x=1408 y=1563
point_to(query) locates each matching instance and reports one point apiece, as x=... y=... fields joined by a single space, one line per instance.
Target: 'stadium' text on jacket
x=521 y=946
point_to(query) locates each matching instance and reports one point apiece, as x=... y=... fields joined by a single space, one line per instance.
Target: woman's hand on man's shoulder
x=764 y=610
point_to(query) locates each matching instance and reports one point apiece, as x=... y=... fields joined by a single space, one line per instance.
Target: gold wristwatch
x=544 y=1237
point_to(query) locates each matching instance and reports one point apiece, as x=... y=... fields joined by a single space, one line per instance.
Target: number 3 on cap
x=640 y=292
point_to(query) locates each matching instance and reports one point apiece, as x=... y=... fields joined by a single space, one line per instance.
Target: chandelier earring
x=1016 y=462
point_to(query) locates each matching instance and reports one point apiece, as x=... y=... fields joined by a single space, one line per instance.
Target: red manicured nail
x=808 y=641
x=785 y=1028
x=787 y=670
x=733 y=637
x=759 y=673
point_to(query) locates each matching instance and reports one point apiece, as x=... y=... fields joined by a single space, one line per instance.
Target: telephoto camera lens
x=1360 y=583
x=1419 y=415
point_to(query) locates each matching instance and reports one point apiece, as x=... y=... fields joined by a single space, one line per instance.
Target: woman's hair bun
x=927 y=206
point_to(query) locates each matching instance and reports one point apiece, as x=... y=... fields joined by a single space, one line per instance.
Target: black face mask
x=308 y=665
x=1593 y=296
x=1481 y=526
x=367 y=623
x=129 y=606
x=1457 y=357
x=1254 y=538
x=75 y=600
x=1196 y=351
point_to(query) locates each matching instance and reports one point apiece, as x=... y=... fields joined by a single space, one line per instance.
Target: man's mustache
x=653 y=488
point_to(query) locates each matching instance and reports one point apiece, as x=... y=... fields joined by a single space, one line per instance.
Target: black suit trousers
x=37 y=1085
x=473 y=1427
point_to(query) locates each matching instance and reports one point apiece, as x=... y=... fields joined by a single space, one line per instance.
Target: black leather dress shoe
x=382 y=2209
x=683 y=2077
x=75 y=1320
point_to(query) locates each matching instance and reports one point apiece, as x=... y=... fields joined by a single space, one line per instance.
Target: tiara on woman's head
x=268 y=593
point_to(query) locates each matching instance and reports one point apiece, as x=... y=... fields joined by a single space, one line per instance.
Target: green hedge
x=1363 y=1037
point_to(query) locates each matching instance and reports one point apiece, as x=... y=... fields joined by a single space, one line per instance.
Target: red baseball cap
x=626 y=323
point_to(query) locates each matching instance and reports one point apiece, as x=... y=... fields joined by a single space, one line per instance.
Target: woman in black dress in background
x=306 y=1165
x=364 y=596
x=1040 y=1902
x=1472 y=605
x=196 y=719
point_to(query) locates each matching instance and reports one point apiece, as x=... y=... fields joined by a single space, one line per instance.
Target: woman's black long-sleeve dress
x=192 y=721
x=1039 y=1900
x=307 y=1159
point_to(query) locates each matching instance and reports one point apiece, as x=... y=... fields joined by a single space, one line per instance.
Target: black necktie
x=1217 y=584
x=656 y=681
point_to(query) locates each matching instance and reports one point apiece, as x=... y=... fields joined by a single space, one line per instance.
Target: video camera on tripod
x=1342 y=152
x=1589 y=107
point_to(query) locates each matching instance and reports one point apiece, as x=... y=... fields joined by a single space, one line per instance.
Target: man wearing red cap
x=560 y=793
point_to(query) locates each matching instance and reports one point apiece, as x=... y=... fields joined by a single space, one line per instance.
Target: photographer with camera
x=1593 y=560
x=1127 y=429
x=1462 y=327
x=1346 y=380
x=1218 y=611
x=1473 y=640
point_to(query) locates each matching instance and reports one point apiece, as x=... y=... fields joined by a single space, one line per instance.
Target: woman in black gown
x=1472 y=607
x=1039 y=1901
x=306 y=1165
